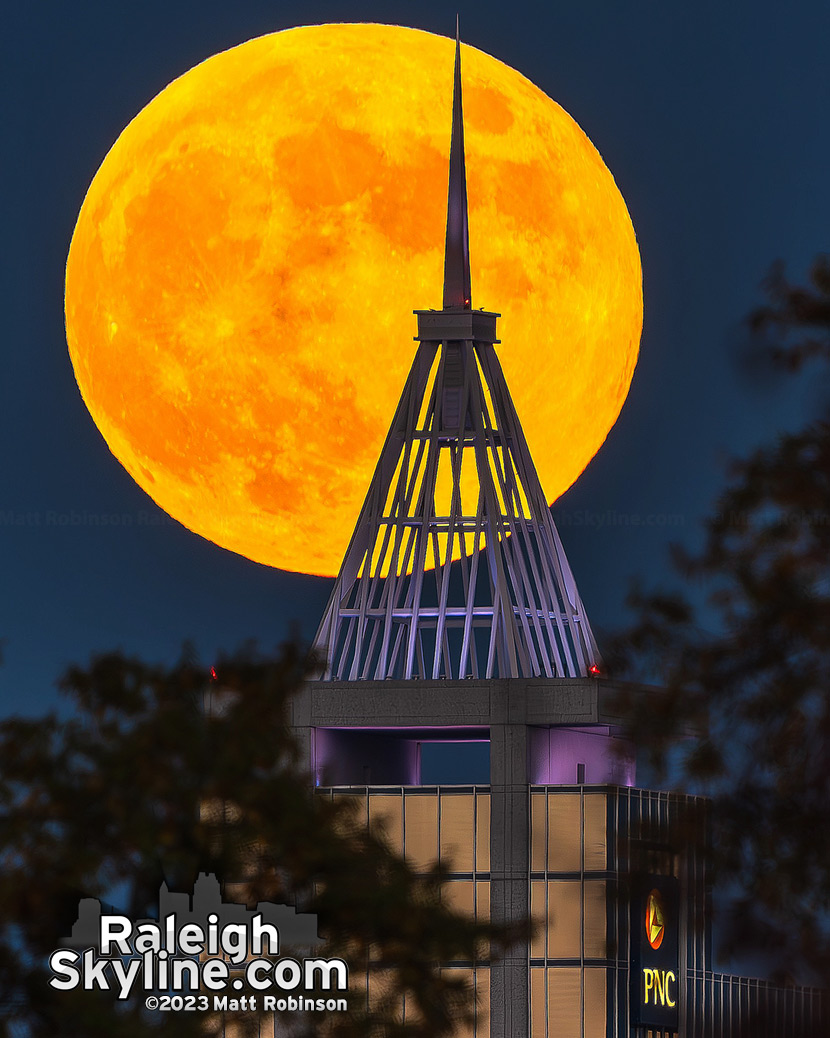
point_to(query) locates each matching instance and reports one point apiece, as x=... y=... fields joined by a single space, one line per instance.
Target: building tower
x=455 y=618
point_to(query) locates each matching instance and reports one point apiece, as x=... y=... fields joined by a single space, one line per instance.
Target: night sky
x=713 y=119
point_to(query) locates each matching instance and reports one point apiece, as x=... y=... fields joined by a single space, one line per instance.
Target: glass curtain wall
x=451 y=825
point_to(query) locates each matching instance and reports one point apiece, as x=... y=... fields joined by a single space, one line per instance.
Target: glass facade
x=580 y=839
x=583 y=841
x=569 y=905
x=450 y=825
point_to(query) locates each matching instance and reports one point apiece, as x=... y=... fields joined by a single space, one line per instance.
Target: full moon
x=242 y=276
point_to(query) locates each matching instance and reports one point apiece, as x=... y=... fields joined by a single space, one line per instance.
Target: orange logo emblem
x=655 y=920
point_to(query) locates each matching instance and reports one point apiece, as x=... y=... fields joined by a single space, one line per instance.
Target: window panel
x=564 y=918
x=359 y=808
x=358 y=982
x=381 y=993
x=564 y=834
x=538 y=835
x=411 y=1012
x=482 y=832
x=538 y=1009
x=421 y=829
x=483 y=900
x=483 y=1001
x=564 y=1003
x=457 y=831
x=538 y=915
x=387 y=811
x=595 y=1011
x=459 y=894
x=462 y=1030
x=267 y=1027
x=596 y=945
x=596 y=832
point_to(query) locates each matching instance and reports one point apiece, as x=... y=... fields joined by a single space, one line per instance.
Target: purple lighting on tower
x=388 y=756
x=595 y=755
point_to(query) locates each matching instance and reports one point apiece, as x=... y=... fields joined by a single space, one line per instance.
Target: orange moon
x=241 y=279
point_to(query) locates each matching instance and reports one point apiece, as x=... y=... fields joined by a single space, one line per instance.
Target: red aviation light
x=594 y=670
x=213 y=673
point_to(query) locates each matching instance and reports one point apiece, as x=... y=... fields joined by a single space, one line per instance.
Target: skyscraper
x=455 y=618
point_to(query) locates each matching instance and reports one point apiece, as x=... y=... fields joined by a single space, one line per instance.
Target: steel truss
x=508 y=607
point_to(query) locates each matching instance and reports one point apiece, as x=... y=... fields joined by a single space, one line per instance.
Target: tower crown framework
x=455 y=568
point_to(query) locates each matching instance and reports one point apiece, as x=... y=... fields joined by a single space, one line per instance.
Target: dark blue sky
x=712 y=117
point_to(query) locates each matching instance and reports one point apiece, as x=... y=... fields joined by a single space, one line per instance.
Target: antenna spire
x=457 y=253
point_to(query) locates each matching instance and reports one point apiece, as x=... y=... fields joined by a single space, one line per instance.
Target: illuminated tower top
x=455 y=568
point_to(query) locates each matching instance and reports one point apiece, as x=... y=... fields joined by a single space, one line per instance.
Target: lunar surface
x=241 y=280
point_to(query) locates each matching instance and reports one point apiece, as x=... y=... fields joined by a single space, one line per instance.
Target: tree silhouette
x=144 y=784
x=756 y=688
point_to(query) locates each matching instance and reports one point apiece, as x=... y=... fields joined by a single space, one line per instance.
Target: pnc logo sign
x=655 y=978
x=660 y=987
x=655 y=919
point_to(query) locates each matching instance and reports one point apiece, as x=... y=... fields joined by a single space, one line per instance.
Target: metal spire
x=457 y=252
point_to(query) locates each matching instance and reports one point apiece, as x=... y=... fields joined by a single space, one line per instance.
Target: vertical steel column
x=509 y=859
